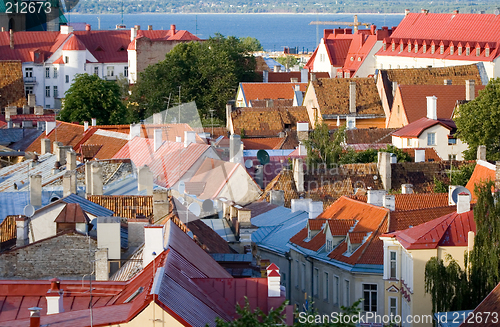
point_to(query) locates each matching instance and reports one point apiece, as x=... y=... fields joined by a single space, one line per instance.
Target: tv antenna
x=354 y=24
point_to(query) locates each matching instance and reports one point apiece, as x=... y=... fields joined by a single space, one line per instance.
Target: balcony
x=30 y=80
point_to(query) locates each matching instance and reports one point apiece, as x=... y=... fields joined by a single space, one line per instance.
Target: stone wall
x=11 y=84
x=65 y=256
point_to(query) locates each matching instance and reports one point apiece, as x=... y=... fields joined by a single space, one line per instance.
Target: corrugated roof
x=416 y=128
x=88 y=206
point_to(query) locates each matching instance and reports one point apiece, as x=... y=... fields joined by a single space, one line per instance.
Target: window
x=431 y=138
x=370 y=297
x=424 y=48
x=47 y=72
x=322 y=57
x=56 y=94
x=459 y=51
x=487 y=52
x=339 y=74
x=393 y=46
x=393 y=306
x=96 y=70
x=467 y=51
x=441 y=49
x=47 y=106
x=125 y=71
x=347 y=75
x=110 y=71
x=29 y=72
x=336 y=291
x=66 y=59
x=326 y=287
x=347 y=293
x=433 y=48
x=478 y=52
x=47 y=91
x=297 y=274
x=452 y=141
x=393 y=263
x=416 y=47
x=28 y=90
x=398 y=109
x=303 y=277
x=329 y=246
x=55 y=72
x=67 y=78
x=316 y=282
x=385 y=46
x=452 y=157
x=452 y=49
x=408 y=142
x=409 y=47
x=401 y=46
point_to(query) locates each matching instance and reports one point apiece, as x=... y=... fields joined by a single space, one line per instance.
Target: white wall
x=325 y=65
x=42 y=223
x=369 y=65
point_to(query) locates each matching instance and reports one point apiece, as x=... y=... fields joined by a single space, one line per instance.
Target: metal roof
x=221 y=227
x=13 y=203
x=88 y=206
x=232 y=257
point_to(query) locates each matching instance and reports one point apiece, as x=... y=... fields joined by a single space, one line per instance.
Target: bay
x=274 y=31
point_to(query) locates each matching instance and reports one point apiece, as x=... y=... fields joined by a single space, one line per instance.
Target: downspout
x=289 y=289
x=312 y=279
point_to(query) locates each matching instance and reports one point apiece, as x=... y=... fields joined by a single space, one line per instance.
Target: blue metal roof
x=88 y=206
x=13 y=203
x=10 y=135
x=272 y=62
x=232 y=257
x=253 y=153
x=126 y=186
x=277 y=226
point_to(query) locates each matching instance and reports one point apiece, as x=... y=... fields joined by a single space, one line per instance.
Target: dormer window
x=452 y=49
x=487 y=52
x=441 y=49
x=424 y=48
x=385 y=46
x=401 y=46
x=467 y=51
x=478 y=52
x=459 y=50
x=416 y=47
x=409 y=47
x=329 y=246
x=433 y=49
x=393 y=46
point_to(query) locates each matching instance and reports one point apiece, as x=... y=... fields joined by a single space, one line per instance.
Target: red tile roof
x=59 y=61
x=74 y=43
x=483 y=172
x=415 y=101
x=490 y=304
x=72 y=213
x=263 y=91
x=448 y=230
x=414 y=201
x=25 y=43
x=66 y=133
x=430 y=154
x=400 y=220
x=263 y=143
x=106 y=143
x=416 y=128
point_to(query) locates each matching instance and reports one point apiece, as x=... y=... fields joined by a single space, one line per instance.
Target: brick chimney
x=470 y=90
x=150 y=27
x=432 y=107
x=352 y=97
x=35 y=316
x=407 y=11
x=172 y=29
x=54 y=297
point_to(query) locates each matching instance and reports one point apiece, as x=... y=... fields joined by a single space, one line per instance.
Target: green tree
x=247 y=317
x=478 y=122
x=321 y=149
x=251 y=44
x=400 y=154
x=288 y=61
x=205 y=72
x=92 y=97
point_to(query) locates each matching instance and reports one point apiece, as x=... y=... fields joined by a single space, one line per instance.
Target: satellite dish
x=457 y=191
x=182 y=187
x=195 y=209
x=263 y=157
x=29 y=210
x=249 y=163
x=181 y=200
x=496 y=12
x=208 y=205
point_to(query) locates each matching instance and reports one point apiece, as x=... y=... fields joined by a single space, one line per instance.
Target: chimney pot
x=11 y=38
x=54 y=297
x=35 y=316
x=172 y=29
x=463 y=203
x=470 y=90
x=407 y=11
x=87 y=27
x=150 y=27
x=432 y=107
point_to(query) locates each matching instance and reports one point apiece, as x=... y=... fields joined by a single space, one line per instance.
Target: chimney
x=145 y=180
x=11 y=39
x=294 y=80
x=61 y=153
x=376 y=197
x=54 y=297
x=470 y=90
x=298 y=174
x=244 y=217
x=88 y=178
x=481 y=152
x=101 y=264
x=45 y=146
x=108 y=236
x=456 y=12
x=157 y=119
x=161 y=205
x=38 y=110
x=424 y=11
x=432 y=107
x=36 y=190
x=65 y=29
x=189 y=137
x=69 y=183
x=389 y=202
x=273 y=281
x=277 y=197
x=302 y=149
x=31 y=100
x=352 y=97
x=136 y=231
x=10 y=124
x=87 y=27
x=463 y=203
x=302 y=131
x=313 y=77
x=407 y=189
x=153 y=243
x=300 y=205
x=373 y=29
x=49 y=126
x=26 y=109
x=384 y=169
x=172 y=29
x=85 y=126
x=133 y=34
x=447 y=82
x=35 y=316
x=420 y=155
x=259 y=175
x=70 y=160
x=95 y=179
x=265 y=76
x=137 y=27
x=304 y=75
x=315 y=208
x=150 y=27
x=407 y=11
x=269 y=103
x=235 y=153
x=470 y=240
x=158 y=138
x=94 y=121
x=135 y=130
x=22 y=231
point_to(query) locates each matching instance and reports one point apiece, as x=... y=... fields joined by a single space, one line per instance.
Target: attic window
x=441 y=49
x=433 y=48
x=487 y=52
x=416 y=48
x=452 y=49
x=409 y=47
x=478 y=52
x=459 y=51
x=99 y=49
x=121 y=49
x=352 y=58
x=401 y=46
x=393 y=46
x=134 y=295
x=467 y=51
x=385 y=46
x=359 y=58
x=424 y=49
x=329 y=246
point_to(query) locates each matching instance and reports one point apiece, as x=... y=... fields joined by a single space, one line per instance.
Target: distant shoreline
x=249 y=13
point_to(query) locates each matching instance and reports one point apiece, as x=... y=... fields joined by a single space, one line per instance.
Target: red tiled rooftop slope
x=400 y=220
x=430 y=154
x=490 y=304
x=333 y=96
x=66 y=133
x=414 y=201
x=483 y=172
x=263 y=91
x=416 y=128
x=263 y=143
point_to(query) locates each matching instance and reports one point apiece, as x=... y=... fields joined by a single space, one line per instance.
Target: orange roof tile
x=66 y=133
x=483 y=172
x=126 y=206
x=414 y=201
x=263 y=143
x=340 y=226
x=400 y=220
x=313 y=244
x=74 y=43
x=263 y=91
x=490 y=304
x=110 y=143
x=430 y=154
x=316 y=224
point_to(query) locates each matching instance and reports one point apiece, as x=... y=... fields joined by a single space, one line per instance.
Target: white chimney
x=45 y=146
x=157 y=118
x=135 y=130
x=189 y=137
x=273 y=281
x=407 y=189
x=235 y=153
x=158 y=138
x=376 y=197
x=109 y=236
x=298 y=173
x=70 y=160
x=300 y=205
x=304 y=74
x=432 y=107
x=22 y=231
x=153 y=243
x=65 y=29
x=463 y=203
x=389 y=202
x=265 y=76
x=85 y=126
x=49 y=126
x=315 y=208
x=145 y=180
x=470 y=240
x=69 y=183
x=94 y=121
x=133 y=34
x=352 y=97
x=96 y=186
x=481 y=152
x=36 y=190
x=470 y=90
x=54 y=297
